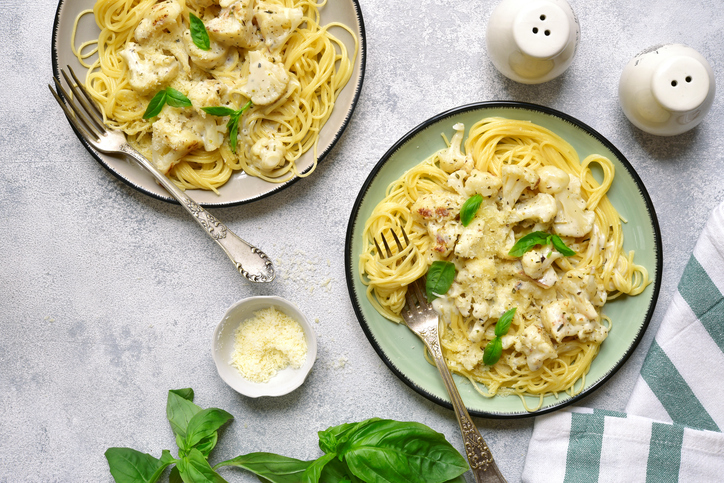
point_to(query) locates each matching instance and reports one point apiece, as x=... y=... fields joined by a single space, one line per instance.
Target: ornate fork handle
x=479 y=456
x=252 y=263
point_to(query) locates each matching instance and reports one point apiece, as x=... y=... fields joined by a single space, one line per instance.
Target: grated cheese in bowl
x=264 y=346
x=267 y=343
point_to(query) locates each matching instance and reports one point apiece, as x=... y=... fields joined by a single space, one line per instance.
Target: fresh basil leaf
x=128 y=465
x=154 y=107
x=180 y=409
x=204 y=424
x=219 y=111
x=198 y=33
x=272 y=467
x=334 y=436
x=502 y=326
x=194 y=468
x=207 y=444
x=561 y=247
x=469 y=208
x=493 y=351
x=439 y=278
x=405 y=452
x=175 y=476
x=176 y=98
x=527 y=242
x=314 y=470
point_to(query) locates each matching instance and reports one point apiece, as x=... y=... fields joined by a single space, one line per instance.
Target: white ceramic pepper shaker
x=532 y=41
x=667 y=89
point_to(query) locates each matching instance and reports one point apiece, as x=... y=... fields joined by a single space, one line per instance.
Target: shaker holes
x=687 y=79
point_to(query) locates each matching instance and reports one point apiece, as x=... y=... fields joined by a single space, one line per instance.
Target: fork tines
x=86 y=118
x=387 y=247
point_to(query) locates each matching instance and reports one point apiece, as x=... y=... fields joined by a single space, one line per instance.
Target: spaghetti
x=528 y=181
x=274 y=52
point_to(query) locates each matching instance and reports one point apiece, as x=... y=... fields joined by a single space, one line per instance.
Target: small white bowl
x=222 y=348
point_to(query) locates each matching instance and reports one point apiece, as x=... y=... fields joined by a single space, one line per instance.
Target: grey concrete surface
x=108 y=298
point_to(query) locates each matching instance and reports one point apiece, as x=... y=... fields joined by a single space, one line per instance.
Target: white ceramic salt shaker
x=667 y=89
x=532 y=41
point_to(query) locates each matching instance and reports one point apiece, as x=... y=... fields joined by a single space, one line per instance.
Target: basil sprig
x=371 y=450
x=169 y=96
x=530 y=240
x=494 y=349
x=233 y=124
x=198 y=32
x=469 y=208
x=439 y=278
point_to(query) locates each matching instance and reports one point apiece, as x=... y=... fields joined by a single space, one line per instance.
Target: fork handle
x=479 y=456
x=252 y=263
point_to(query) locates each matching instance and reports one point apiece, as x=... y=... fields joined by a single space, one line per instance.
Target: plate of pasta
x=233 y=99
x=540 y=249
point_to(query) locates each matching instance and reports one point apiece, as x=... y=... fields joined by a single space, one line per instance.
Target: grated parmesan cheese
x=267 y=343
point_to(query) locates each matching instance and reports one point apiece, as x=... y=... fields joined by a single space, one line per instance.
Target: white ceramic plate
x=402 y=351
x=240 y=188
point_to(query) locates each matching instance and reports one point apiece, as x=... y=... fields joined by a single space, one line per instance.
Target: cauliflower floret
x=438 y=206
x=150 y=70
x=268 y=153
x=206 y=94
x=470 y=357
x=537 y=261
x=175 y=133
x=206 y=59
x=267 y=80
x=201 y=3
x=234 y=26
x=515 y=180
x=581 y=282
x=473 y=287
x=453 y=159
x=482 y=183
x=552 y=180
x=541 y=208
x=535 y=343
x=162 y=16
x=573 y=219
x=562 y=319
x=276 y=23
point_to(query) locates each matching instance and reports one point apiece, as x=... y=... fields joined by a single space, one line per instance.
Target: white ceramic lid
x=541 y=30
x=680 y=83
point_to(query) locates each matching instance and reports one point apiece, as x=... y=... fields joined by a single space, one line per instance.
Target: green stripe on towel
x=664 y=453
x=672 y=391
x=584 y=445
x=704 y=298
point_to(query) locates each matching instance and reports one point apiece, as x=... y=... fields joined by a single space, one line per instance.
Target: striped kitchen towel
x=672 y=427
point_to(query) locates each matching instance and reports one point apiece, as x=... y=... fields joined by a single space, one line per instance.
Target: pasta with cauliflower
x=274 y=53
x=529 y=188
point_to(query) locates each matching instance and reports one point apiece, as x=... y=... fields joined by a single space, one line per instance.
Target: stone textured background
x=108 y=298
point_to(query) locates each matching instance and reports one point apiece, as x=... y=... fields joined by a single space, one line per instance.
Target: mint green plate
x=403 y=352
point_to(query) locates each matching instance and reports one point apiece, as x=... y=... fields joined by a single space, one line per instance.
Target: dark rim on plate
x=350 y=258
x=278 y=187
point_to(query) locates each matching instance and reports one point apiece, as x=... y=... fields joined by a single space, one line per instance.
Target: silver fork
x=87 y=120
x=422 y=319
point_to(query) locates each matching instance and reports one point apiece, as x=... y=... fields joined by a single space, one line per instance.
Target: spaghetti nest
x=527 y=181
x=299 y=67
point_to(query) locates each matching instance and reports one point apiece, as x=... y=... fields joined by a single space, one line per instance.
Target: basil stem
x=439 y=278
x=199 y=35
x=470 y=208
